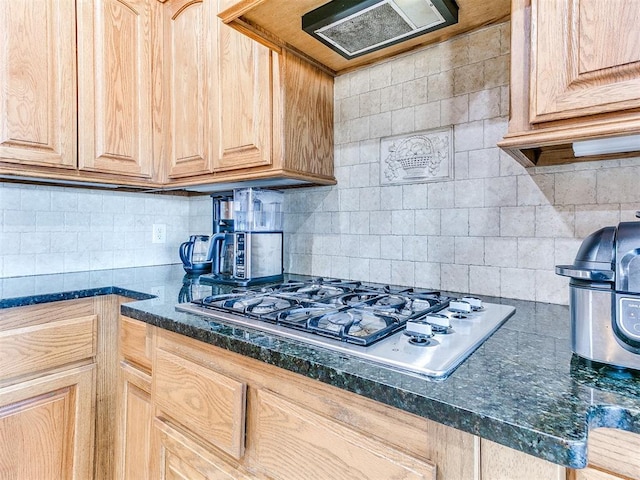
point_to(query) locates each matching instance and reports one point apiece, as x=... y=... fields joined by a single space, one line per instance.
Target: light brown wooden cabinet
x=47 y=390
x=575 y=75
x=38 y=84
x=237 y=110
x=76 y=90
x=220 y=415
x=157 y=95
x=134 y=410
x=117 y=65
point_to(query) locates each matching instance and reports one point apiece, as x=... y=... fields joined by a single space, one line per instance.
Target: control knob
x=476 y=303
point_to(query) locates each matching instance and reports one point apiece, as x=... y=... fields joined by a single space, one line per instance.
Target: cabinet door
x=190 y=33
x=38 y=83
x=116 y=46
x=293 y=442
x=134 y=431
x=46 y=427
x=585 y=58
x=177 y=456
x=244 y=93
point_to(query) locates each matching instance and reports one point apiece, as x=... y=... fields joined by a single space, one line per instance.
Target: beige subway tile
x=469 y=78
x=441 y=249
x=390 y=98
x=428 y=116
x=469 y=136
x=454 y=221
x=484 y=104
x=427 y=222
x=455 y=110
x=536 y=253
x=536 y=189
x=369 y=103
x=484 y=163
x=469 y=193
x=414 y=248
x=440 y=86
x=551 y=288
x=379 y=75
x=402 y=222
x=380 y=270
x=484 y=44
x=440 y=195
x=501 y=252
x=518 y=283
x=494 y=130
x=403 y=69
x=454 y=53
x=469 y=250
x=517 y=221
x=402 y=121
x=500 y=191
x=496 y=72
x=454 y=278
x=590 y=218
x=575 y=188
x=555 y=221
x=461 y=165
x=359 y=81
x=618 y=185
x=427 y=275
x=484 y=280
x=484 y=222
x=402 y=273
x=414 y=92
x=566 y=250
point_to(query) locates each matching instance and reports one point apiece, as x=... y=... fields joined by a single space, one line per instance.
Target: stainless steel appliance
x=417 y=331
x=604 y=296
x=246 y=258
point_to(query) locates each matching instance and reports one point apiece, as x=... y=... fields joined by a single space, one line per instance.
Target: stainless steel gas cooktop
x=416 y=331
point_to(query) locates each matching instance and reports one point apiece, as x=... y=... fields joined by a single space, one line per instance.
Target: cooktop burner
x=417 y=331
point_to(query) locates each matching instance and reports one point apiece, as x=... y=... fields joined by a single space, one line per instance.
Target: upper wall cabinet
x=190 y=63
x=76 y=97
x=575 y=75
x=117 y=51
x=38 y=83
x=279 y=23
x=239 y=111
x=154 y=95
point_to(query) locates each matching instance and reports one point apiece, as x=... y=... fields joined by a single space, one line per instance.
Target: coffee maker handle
x=214 y=252
x=185 y=253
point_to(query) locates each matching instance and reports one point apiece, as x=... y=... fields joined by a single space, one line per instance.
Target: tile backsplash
x=57 y=230
x=496 y=228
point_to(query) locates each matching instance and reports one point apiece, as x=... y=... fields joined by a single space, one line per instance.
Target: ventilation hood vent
x=356 y=27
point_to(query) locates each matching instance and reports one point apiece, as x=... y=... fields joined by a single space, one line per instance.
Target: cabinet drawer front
x=208 y=404
x=47 y=345
x=615 y=450
x=178 y=456
x=134 y=342
x=296 y=443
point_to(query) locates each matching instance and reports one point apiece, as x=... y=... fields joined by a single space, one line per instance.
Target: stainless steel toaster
x=604 y=296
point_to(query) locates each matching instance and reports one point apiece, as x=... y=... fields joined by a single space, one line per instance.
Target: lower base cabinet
x=46 y=427
x=215 y=414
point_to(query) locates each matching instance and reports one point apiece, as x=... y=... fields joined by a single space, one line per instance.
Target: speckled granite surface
x=522 y=388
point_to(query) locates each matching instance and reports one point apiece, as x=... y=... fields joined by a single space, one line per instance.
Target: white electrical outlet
x=159 y=233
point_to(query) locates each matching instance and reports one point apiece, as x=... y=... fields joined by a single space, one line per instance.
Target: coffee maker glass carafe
x=196 y=254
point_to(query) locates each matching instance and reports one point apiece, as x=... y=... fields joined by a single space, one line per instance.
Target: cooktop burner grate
x=416 y=331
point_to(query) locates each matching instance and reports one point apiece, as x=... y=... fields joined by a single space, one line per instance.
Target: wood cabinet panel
x=48 y=345
x=585 y=58
x=210 y=405
x=244 y=92
x=135 y=415
x=615 y=450
x=46 y=427
x=294 y=442
x=176 y=456
x=38 y=83
x=135 y=342
x=501 y=463
x=115 y=89
x=190 y=32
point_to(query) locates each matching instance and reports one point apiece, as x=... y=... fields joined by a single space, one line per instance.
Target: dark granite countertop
x=522 y=388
